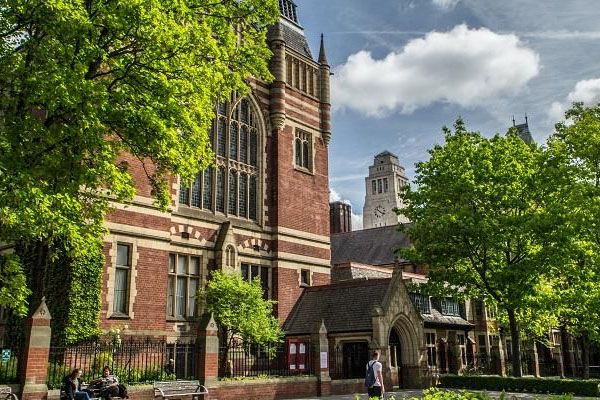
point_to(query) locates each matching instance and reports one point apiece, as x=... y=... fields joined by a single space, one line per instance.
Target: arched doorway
x=395 y=358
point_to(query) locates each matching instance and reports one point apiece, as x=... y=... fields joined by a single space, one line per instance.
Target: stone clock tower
x=383 y=185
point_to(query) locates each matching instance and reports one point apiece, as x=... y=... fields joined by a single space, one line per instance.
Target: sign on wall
x=323 y=360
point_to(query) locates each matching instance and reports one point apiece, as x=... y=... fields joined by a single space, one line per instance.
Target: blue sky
x=405 y=68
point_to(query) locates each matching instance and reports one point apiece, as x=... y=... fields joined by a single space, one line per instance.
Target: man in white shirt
x=376 y=390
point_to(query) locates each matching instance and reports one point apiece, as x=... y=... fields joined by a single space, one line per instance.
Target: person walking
x=374 y=378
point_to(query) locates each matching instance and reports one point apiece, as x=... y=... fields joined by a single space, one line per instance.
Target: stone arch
x=410 y=339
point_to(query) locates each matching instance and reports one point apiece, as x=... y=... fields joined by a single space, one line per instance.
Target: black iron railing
x=132 y=360
x=10 y=350
x=251 y=360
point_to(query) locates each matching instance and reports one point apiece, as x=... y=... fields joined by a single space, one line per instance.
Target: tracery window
x=232 y=186
x=303 y=150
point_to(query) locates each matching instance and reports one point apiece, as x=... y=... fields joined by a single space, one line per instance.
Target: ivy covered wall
x=72 y=287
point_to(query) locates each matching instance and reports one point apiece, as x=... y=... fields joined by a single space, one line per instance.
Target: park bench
x=179 y=389
x=7 y=394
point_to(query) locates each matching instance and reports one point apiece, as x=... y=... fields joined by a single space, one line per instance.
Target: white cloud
x=357 y=223
x=463 y=66
x=445 y=4
x=585 y=91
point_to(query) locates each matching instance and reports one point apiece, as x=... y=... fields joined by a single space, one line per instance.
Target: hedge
x=529 y=384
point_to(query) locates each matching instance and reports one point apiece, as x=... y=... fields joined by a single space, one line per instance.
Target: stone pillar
x=33 y=369
x=320 y=354
x=454 y=358
x=208 y=352
x=568 y=353
x=535 y=361
x=501 y=357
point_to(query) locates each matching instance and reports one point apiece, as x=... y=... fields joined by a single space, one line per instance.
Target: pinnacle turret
x=322 y=54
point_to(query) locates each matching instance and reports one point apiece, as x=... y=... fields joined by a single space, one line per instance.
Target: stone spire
x=324 y=78
x=322 y=54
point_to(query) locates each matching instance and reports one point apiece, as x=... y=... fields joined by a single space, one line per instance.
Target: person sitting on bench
x=108 y=385
x=72 y=387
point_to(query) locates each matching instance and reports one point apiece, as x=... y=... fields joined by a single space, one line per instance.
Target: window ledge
x=181 y=320
x=303 y=170
x=304 y=285
x=119 y=316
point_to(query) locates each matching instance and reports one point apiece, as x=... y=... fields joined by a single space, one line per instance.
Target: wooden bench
x=179 y=389
x=7 y=394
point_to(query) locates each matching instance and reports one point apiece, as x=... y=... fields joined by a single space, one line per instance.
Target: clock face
x=379 y=211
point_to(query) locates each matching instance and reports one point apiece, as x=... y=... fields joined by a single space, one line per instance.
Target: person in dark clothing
x=108 y=385
x=72 y=386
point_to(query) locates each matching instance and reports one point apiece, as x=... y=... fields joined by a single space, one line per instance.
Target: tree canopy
x=480 y=222
x=240 y=309
x=85 y=81
x=574 y=154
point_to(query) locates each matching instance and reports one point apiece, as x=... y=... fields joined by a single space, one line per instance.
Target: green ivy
x=73 y=288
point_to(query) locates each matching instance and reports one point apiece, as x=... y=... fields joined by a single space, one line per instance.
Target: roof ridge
x=347 y=283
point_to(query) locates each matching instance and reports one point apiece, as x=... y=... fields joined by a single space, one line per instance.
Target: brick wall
x=302 y=198
x=149 y=307
x=348 y=386
x=241 y=390
x=288 y=291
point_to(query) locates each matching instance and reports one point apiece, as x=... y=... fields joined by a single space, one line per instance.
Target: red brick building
x=262 y=210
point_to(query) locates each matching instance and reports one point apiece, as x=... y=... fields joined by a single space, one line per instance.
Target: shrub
x=530 y=385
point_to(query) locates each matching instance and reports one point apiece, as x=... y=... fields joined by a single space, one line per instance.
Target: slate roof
x=374 y=246
x=344 y=307
x=437 y=318
x=293 y=39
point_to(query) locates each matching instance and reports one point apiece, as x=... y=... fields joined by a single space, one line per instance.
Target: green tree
x=240 y=311
x=479 y=222
x=83 y=82
x=574 y=155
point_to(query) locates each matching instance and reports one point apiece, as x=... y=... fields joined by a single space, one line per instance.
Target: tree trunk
x=516 y=343
x=585 y=347
x=34 y=257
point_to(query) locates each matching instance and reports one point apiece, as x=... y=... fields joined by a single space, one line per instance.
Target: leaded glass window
x=208 y=188
x=233 y=141
x=233 y=182
x=232 y=187
x=243 y=192
x=221 y=190
x=303 y=150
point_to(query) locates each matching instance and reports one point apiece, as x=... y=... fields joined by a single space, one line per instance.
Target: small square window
x=304 y=277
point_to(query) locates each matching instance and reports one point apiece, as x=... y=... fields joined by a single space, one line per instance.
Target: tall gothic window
x=232 y=187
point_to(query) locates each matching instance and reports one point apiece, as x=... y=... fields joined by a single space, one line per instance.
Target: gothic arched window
x=230 y=257
x=232 y=188
x=303 y=150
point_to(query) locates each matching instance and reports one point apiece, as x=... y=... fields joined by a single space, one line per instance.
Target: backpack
x=370 y=378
